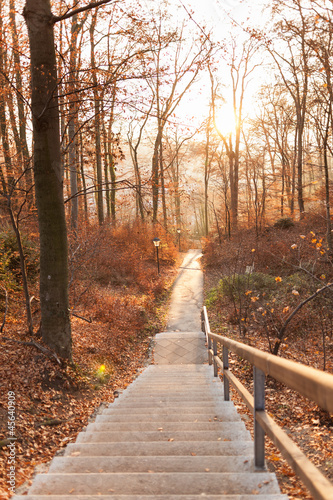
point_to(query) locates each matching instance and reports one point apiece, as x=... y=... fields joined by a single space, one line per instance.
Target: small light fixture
x=156 y=242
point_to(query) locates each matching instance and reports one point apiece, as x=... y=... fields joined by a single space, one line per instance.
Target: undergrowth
x=264 y=284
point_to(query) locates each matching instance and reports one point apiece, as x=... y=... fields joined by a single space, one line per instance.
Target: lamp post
x=178 y=231
x=156 y=242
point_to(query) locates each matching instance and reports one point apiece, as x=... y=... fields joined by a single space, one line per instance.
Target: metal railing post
x=259 y=405
x=209 y=347
x=226 y=367
x=215 y=354
x=203 y=325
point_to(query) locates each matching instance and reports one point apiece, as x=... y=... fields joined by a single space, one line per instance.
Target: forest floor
x=305 y=423
x=120 y=306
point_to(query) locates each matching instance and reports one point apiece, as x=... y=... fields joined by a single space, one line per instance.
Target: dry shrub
x=114 y=271
x=118 y=309
x=273 y=251
x=295 y=262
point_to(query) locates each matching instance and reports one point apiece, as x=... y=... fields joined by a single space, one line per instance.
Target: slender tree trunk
x=300 y=199
x=20 y=104
x=206 y=180
x=72 y=158
x=177 y=196
x=83 y=180
x=138 y=181
x=97 y=125
x=106 y=146
x=9 y=187
x=55 y=323
x=112 y=176
x=72 y=125
x=155 y=174
x=164 y=206
x=283 y=174
x=327 y=184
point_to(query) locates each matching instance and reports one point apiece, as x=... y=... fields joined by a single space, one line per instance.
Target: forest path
x=183 y=341
x=187 y=295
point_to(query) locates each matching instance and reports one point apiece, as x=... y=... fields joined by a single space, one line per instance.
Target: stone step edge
x=146 y=497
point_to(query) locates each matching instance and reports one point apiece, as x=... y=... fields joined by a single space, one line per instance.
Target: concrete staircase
x=169 y=436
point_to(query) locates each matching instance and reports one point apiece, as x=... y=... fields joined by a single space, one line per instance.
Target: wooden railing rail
x=309 y=382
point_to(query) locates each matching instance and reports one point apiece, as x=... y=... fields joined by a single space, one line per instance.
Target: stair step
x=170 y=392
x=178 y=383
x=148 y=393
x=207 y=409
x=147 y=497
x=151 y=464
x=167 y=426
x=227 y=416
x=179 y=335
x=156 y=483
x=151 y=436
x=151 y=404
x=199 y=448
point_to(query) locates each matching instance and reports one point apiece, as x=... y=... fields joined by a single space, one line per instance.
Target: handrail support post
x=215 y=354
x=259 y=405
x=225 y=379
x=210 y=360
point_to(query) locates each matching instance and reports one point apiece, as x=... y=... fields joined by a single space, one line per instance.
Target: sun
x=225 y=120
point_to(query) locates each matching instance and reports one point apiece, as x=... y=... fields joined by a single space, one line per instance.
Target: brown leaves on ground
x=115 y=285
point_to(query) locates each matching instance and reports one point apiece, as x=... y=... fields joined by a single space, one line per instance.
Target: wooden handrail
x=309 y=382
x=314 y=384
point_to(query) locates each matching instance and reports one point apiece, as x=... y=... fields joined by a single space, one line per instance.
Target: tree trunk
x=155 y=174
x=72 y=125
x=97 y=125
x=9 y=187
x=20 y=104
x=106 y=146
x=83 y=180
x=165 y=217
x=327 y=184
x=55 y=322
x=300 y=127
x=72 y=158
x=206 y=180
x=112 y=175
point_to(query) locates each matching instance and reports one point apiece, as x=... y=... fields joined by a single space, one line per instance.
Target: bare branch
x=91 y=5
x=295 y=311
